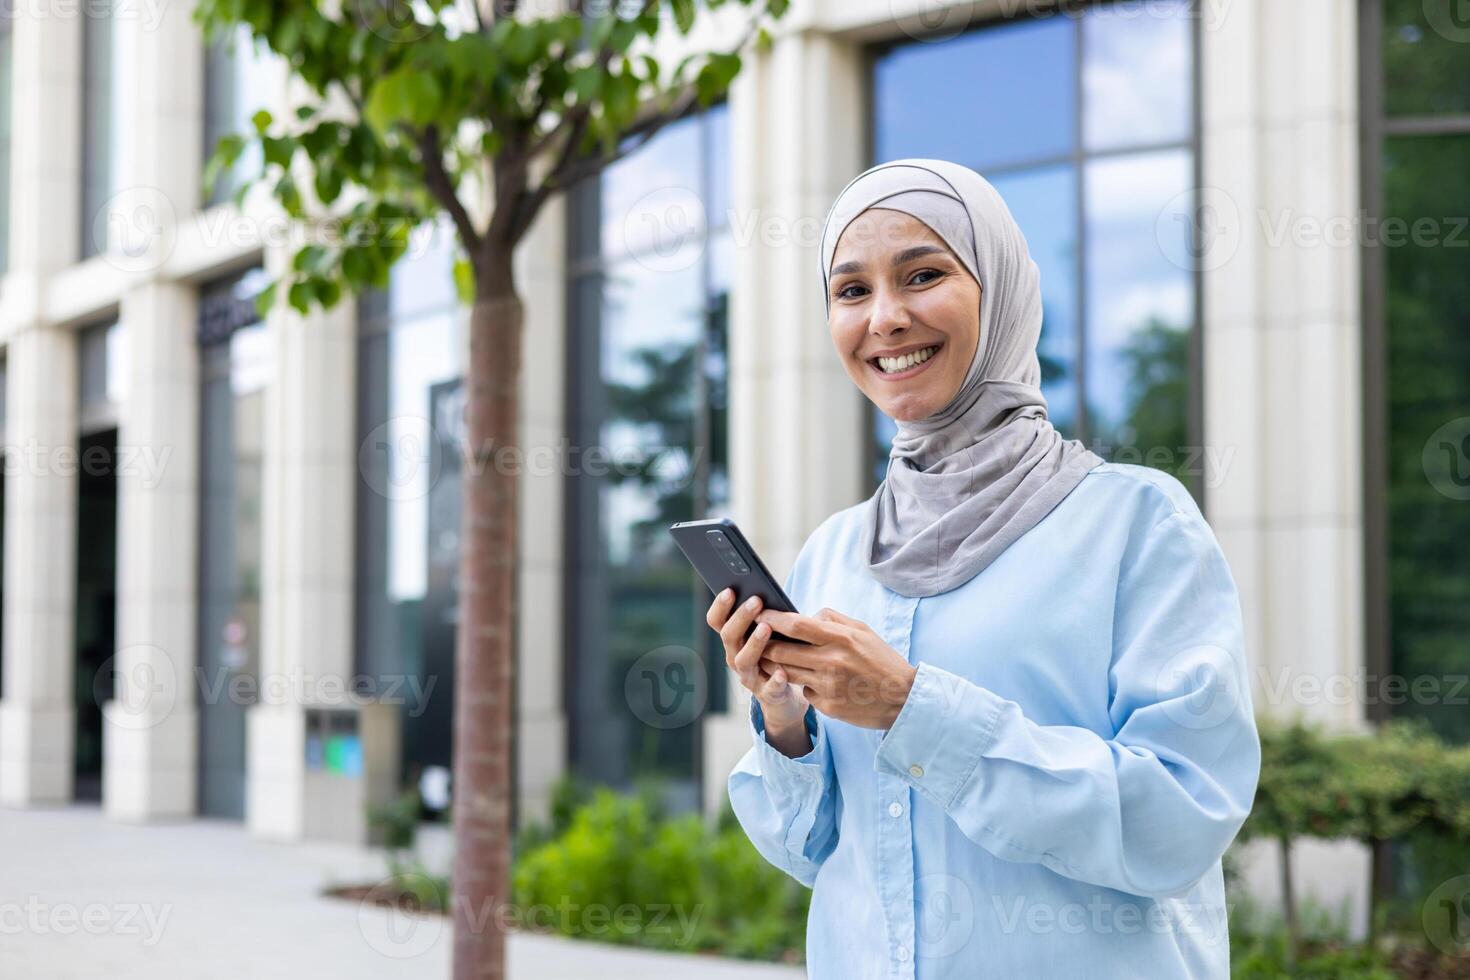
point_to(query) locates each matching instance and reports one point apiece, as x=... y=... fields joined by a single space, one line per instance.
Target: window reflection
x=1425 y=68
x=1427 y=320
x=237 y=76
x=647 y=361
x=100 y=68
x=237 y=367
x=1135 y=76
x=1044 y=204
x=1139 y=309
x=1000 y=121
x=410 y=362
x=1121 y=74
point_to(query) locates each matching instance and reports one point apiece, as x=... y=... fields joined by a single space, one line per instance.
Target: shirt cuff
x=774 y=762
x=942 y=730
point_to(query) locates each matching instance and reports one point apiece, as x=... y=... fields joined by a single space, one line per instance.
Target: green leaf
x=715 y=76
x=464 y=280
x=261 y=120
x=264 y=300
x=763 y=40
x=683 y=15
x=404 y=95
x=278 y=150
x=307 y=258
x=358 y=266
x=300 y=296
x=328 y=292
x=586 y=82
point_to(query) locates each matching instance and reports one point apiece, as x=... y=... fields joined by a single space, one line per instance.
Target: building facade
x=230 y=542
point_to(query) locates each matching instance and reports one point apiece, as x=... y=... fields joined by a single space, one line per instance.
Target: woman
x=1018 y=737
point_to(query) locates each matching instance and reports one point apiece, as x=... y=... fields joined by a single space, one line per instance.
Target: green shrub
x=396 y=823
x=621 y=873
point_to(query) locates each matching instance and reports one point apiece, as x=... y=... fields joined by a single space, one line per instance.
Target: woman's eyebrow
x=907 y=255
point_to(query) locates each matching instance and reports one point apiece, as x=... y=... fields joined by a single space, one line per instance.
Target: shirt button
x=916 y=770
x=895 y=809
x=903 y=954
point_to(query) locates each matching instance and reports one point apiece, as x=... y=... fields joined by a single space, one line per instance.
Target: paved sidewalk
x=82 y=897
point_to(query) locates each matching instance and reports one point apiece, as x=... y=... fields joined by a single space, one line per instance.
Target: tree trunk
x=484 y=676
x=1288 y=905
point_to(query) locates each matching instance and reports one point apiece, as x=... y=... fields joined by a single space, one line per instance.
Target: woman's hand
x=782 y=703
x=848 y=672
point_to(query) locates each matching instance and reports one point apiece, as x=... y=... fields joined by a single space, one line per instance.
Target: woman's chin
x=909 y=408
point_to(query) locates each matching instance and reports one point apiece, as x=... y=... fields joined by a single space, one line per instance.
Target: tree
x=481 y=111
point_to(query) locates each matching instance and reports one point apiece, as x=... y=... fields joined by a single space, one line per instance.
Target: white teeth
x=903 y=362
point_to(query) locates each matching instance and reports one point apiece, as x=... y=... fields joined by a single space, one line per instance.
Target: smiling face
x=905 y=313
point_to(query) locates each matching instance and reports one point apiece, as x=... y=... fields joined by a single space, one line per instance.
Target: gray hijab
x=973 y=477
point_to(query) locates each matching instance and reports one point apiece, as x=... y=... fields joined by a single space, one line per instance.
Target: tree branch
x=442 y=187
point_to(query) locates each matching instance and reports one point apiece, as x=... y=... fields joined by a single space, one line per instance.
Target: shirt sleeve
x=787 y=806
x=1148 y=811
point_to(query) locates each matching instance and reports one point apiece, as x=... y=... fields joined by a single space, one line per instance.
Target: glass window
x=101 y=356
x=6 y=86
x=102 y=102
x=646 y=349
x=237 y=75
x=1140 y=306
x=1135 y=76
x=236 y=369
x=1004 y=123
x=1427 y=332
x=1118 y=301
x=1417 y=370
x=1425 y=68
x=410 y=362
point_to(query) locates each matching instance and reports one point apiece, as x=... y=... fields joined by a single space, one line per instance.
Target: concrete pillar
x=797 y=130
x=541 y=728
x=310 y=478
x=151 y=729
x=37 y=716
x=1282 y=326
x=1282 y=320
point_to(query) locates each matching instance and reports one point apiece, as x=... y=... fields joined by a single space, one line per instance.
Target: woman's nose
x=889 y=315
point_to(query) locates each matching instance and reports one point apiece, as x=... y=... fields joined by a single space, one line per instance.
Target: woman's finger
x=747 y=662
x=796 y=654
x=732 y=634
x=797 y=626
x=719 y=609
x=805 y=676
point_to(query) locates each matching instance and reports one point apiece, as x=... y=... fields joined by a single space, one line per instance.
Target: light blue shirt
x=1076 y=754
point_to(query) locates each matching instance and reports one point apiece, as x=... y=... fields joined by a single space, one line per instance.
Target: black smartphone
x=724 y=559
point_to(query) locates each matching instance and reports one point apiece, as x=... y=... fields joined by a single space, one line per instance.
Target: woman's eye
x=843 y=292
x=926 y=272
